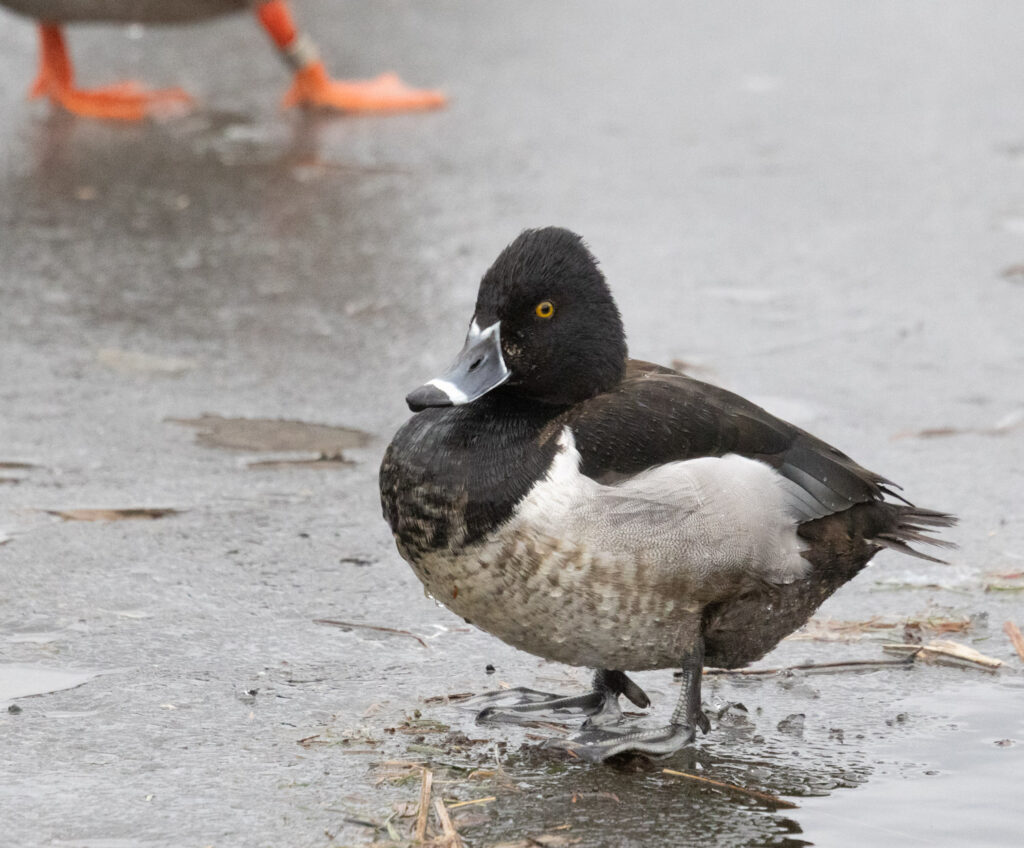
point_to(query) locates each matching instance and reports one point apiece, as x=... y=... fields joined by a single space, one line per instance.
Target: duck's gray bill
x=477 y=369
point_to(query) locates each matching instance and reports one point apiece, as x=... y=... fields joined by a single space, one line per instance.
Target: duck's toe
x=123 y=101
x=313 y=87
x=522 y=705
x=598 y=745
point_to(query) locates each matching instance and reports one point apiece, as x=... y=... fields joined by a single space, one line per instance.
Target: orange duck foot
x=387 y=93
x=126 y=101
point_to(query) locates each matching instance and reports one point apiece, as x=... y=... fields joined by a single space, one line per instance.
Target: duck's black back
x=656 y=415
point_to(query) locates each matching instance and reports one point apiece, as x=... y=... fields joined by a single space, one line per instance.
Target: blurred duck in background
x=312 y=86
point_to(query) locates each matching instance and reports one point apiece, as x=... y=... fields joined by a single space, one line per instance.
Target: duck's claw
x=313 y=87
x=703 y=722
x=598 y=745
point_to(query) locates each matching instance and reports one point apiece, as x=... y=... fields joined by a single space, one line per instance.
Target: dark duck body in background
x=610 y=513
x=312 y=86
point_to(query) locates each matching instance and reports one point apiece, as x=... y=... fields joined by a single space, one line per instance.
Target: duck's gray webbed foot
x=600 y=706
x=598 y=744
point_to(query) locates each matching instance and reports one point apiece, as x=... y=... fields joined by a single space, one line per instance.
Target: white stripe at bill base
x=453 y=392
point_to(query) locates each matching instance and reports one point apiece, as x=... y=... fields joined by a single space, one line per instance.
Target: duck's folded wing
x=728 y=517
x=656 y=416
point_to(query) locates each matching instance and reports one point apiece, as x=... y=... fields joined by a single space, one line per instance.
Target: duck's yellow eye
x=545 y=309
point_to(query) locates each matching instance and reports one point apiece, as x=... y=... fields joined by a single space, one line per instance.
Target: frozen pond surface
x=821 y=207
x=23 y=681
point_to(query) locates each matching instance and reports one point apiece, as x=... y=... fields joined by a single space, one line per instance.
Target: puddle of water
x=23 y=681
x=262 y=434
x=957 y=793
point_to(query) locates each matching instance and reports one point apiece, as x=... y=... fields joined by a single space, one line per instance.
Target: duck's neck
x=452 y=475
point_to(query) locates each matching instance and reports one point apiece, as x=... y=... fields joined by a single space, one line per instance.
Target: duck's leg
x=126 y=101
x=599 y=744
x=313 y=86
x=600 y=705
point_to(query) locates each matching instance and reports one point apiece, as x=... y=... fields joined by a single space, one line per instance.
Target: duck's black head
x=545 y=327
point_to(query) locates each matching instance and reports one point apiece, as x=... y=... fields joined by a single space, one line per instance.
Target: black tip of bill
x=426 y=396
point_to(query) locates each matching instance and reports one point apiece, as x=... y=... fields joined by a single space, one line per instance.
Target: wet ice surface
x=23 y=681
x=816 y=207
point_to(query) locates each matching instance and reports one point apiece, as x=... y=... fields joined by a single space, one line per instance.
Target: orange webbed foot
x=387 y=93
x=126 y=101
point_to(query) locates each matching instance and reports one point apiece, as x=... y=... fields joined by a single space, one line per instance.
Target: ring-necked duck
x=610 y=513
x=312 y=86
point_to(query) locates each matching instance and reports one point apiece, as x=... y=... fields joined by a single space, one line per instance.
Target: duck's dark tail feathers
x=913 y=524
